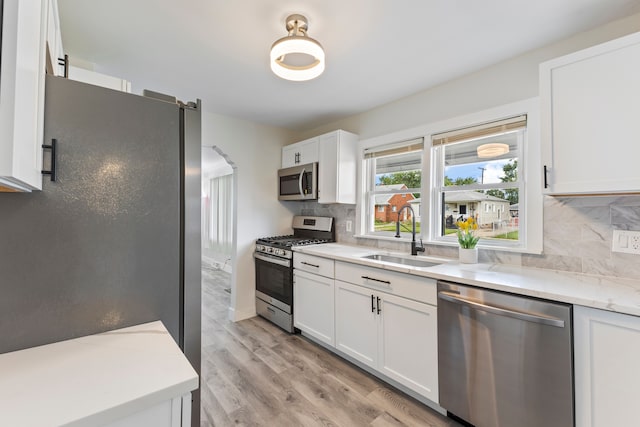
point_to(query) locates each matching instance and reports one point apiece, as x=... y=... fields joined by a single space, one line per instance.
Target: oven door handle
x=272 y=260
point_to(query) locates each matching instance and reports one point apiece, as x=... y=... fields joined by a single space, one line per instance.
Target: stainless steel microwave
x=298 y=182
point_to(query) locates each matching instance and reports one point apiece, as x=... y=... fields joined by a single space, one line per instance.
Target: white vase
x=468 y=256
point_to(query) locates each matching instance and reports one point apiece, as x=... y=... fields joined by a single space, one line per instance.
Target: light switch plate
x=626 y=241
x=349 y=226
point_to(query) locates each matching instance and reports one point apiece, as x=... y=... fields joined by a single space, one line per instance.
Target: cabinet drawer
x=405 y=285
x=313 y=264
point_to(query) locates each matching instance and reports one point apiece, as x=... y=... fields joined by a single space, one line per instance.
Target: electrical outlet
x=626 y=241
x=349 y=226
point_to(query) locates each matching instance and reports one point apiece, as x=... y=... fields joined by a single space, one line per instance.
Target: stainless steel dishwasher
x=504 y=360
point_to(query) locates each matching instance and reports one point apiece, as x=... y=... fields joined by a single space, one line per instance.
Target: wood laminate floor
x=255 y=374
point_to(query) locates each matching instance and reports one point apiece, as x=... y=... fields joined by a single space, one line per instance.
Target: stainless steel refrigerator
x=115 y=240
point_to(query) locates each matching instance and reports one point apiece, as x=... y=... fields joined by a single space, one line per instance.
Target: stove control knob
x=279 y=252
x=269 y=250
x=259 y=248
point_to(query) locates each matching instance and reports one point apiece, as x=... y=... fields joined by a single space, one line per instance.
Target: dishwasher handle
x=456 y=299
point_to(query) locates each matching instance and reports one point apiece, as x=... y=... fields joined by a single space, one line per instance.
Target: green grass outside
x=406 y=227
x=512 y=235
x=391 y=226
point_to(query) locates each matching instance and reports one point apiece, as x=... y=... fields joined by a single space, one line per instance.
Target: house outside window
x=393 y=179
x=480 y=165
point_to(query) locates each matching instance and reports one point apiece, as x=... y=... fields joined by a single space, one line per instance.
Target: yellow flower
x=468 y=224
x=465 y=234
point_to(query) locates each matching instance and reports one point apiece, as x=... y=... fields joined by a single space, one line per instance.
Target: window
x=217 y=216
x=393 y=177
x=476 y=165
x=456 y=182
x=381 y=208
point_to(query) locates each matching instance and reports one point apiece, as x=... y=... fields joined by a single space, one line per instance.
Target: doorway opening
x=218 y=210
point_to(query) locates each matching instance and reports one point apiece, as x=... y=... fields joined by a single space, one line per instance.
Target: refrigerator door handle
x=53 y=147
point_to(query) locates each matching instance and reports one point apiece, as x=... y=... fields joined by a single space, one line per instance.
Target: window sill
x=513 y=249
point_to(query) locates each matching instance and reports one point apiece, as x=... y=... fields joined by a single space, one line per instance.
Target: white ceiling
x=377 y=50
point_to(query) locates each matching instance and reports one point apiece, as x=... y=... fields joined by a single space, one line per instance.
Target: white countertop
x=608 y=293
x=93 y=380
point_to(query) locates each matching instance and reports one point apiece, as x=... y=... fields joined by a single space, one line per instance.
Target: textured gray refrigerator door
x=192 y=190
x=100 y=248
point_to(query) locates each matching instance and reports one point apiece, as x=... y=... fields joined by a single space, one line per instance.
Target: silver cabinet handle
x=456 y=299
x=310 y=265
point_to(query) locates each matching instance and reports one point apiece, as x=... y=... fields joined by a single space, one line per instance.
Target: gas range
x=281 y=245
x=274 y=267
x=307 y=230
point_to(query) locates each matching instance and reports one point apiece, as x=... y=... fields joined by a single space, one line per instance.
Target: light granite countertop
x=608 y=293
x=93 y=380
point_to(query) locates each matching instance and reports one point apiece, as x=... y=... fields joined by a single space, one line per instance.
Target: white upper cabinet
x=55 y=51
x=300 y=153
x=338 y=152
x=98 y=79
x=22 y=72
x=590 y=104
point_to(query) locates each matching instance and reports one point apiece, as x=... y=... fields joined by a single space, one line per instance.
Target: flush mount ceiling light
x=492 y=150
x=297 y=57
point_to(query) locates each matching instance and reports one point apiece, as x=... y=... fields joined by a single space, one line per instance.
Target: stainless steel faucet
x=414 y=248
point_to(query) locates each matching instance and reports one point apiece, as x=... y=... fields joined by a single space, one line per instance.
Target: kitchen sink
x=413 y=262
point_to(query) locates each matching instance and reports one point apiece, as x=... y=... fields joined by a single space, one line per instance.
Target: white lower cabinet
x=394 y=335
x=407 y=349
x=383 y=319
x=607 y=372
x=313 y=305
x=357 y=323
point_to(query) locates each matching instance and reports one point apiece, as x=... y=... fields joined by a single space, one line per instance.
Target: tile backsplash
x=578 y=234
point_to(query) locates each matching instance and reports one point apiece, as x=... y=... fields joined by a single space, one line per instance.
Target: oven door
x=274 y=281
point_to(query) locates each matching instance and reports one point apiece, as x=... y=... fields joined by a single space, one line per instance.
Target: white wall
x=255 y=150
x=506 y=82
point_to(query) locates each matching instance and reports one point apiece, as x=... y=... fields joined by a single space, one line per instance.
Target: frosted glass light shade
x=297 y=45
